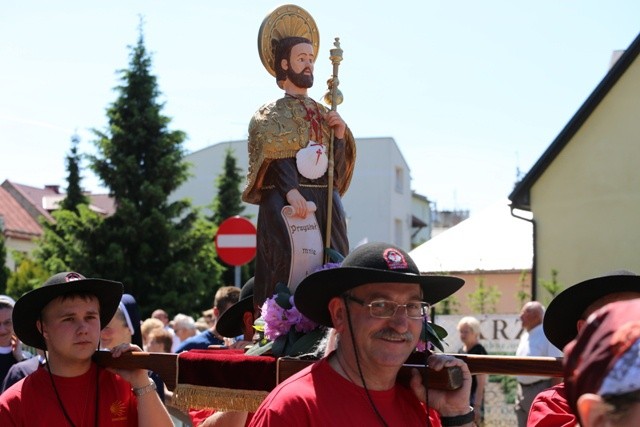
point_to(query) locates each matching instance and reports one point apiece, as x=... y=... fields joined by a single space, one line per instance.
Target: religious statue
x=290 y=159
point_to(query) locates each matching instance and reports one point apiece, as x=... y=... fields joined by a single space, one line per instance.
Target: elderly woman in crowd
x=602 y=367
x=469 y=330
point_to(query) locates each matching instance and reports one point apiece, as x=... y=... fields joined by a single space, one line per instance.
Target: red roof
x=26 y=195
x=18 y=223
x=22 y=206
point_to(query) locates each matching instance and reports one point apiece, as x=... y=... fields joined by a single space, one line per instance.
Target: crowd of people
x=374 y=306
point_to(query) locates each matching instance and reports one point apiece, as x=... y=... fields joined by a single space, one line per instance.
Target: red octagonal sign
x=236 y=241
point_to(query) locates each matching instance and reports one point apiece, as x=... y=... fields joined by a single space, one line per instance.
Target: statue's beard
x=301 y=79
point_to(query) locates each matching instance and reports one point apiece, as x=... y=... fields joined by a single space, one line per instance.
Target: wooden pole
x=166 y=365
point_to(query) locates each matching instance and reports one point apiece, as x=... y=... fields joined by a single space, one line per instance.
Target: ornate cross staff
x=333 y=97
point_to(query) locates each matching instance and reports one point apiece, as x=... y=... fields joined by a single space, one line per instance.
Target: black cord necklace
x=364 y=384
x=55 y=390
x=426 y=365
x=375 y=409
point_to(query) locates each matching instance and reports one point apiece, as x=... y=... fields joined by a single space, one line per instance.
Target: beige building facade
x=584 y=192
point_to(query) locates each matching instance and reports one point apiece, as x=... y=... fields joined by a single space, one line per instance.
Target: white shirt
x=535 y=344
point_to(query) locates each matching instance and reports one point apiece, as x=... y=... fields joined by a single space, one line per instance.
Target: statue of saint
x=288 y=143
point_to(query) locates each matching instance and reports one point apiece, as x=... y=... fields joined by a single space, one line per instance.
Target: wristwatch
x=458 y=420
x=141 y=391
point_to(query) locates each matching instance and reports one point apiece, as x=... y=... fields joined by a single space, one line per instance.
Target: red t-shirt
x=32 y=401
x=198 y=416
x=551 y=409
x=319 y=396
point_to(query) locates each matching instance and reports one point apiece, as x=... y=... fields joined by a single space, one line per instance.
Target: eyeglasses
x=384 y=309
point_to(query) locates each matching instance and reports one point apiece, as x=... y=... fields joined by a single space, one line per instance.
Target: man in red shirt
x=377 y=301
x=64 y=317
x=565 y=317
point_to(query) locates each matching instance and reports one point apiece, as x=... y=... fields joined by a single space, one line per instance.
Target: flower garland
x=282 y=328
x=285 y=331
x=279 y=319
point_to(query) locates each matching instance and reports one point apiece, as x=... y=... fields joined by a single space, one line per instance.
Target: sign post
x=236 y=243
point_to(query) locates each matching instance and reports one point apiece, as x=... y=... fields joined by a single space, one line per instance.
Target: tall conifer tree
x=63 y=245
x=228 y=203
x=161 y=251
x=74 y=196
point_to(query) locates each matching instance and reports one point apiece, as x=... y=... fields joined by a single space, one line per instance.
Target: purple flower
x=305 y=325
x=275 y=319
x=328 y=266
x=278 y=321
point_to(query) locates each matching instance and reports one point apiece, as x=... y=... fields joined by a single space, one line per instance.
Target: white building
x=491 y=246
x=378 y=203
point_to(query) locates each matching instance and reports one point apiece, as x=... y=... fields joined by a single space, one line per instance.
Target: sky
x=472 y=92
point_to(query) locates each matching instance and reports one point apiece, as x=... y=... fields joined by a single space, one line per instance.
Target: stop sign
x=236 y=241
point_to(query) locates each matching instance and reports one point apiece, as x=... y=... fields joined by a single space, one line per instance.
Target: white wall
x=373 y=203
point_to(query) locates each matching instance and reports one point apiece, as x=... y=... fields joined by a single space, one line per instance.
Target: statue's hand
x=297 y=202
x=334 y=120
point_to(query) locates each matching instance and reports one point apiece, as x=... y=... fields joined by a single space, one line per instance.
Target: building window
x=399 y=180
x=398 y=231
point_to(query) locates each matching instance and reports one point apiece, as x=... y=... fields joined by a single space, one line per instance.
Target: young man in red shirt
x=64 y=317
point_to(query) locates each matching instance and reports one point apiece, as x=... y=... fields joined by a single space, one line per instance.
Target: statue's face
x=299 y=68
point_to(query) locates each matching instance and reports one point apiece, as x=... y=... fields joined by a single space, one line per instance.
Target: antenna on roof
x=518 y=170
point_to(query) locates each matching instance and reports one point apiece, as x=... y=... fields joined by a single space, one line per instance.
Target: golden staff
x=333 y=97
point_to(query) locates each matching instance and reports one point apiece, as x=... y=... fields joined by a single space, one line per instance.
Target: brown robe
x=276 y=132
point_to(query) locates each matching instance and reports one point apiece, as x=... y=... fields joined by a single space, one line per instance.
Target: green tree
x=64 y=243
x=484 y=299
x=29 y=275
x=161 y=251
x=4 y=270
x=449 y=305
x=553 y=287
x=228 y=203
x=523 y=294
x=228 y=200
x=74 y=196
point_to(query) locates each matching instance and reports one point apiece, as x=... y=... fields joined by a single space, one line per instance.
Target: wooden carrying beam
x=163 y=364
x=166 y=365
x=446 y=379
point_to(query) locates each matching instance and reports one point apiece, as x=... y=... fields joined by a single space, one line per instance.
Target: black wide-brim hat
x=29 y=307
x=369 y=263
x=229 y=323
x=568 y=306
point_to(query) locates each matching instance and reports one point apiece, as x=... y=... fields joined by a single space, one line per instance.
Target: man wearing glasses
x=377 y=302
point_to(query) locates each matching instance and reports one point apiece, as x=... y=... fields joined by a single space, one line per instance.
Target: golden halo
x=287 y=20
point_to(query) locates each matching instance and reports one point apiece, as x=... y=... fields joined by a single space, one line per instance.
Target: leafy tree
x=74 y=196
x=64 y=243
x=4 y=270
x=523 y=295
x=484 y=299
x=449 y=305
x=553 y=287
x=29 y=275
x=160 y=251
